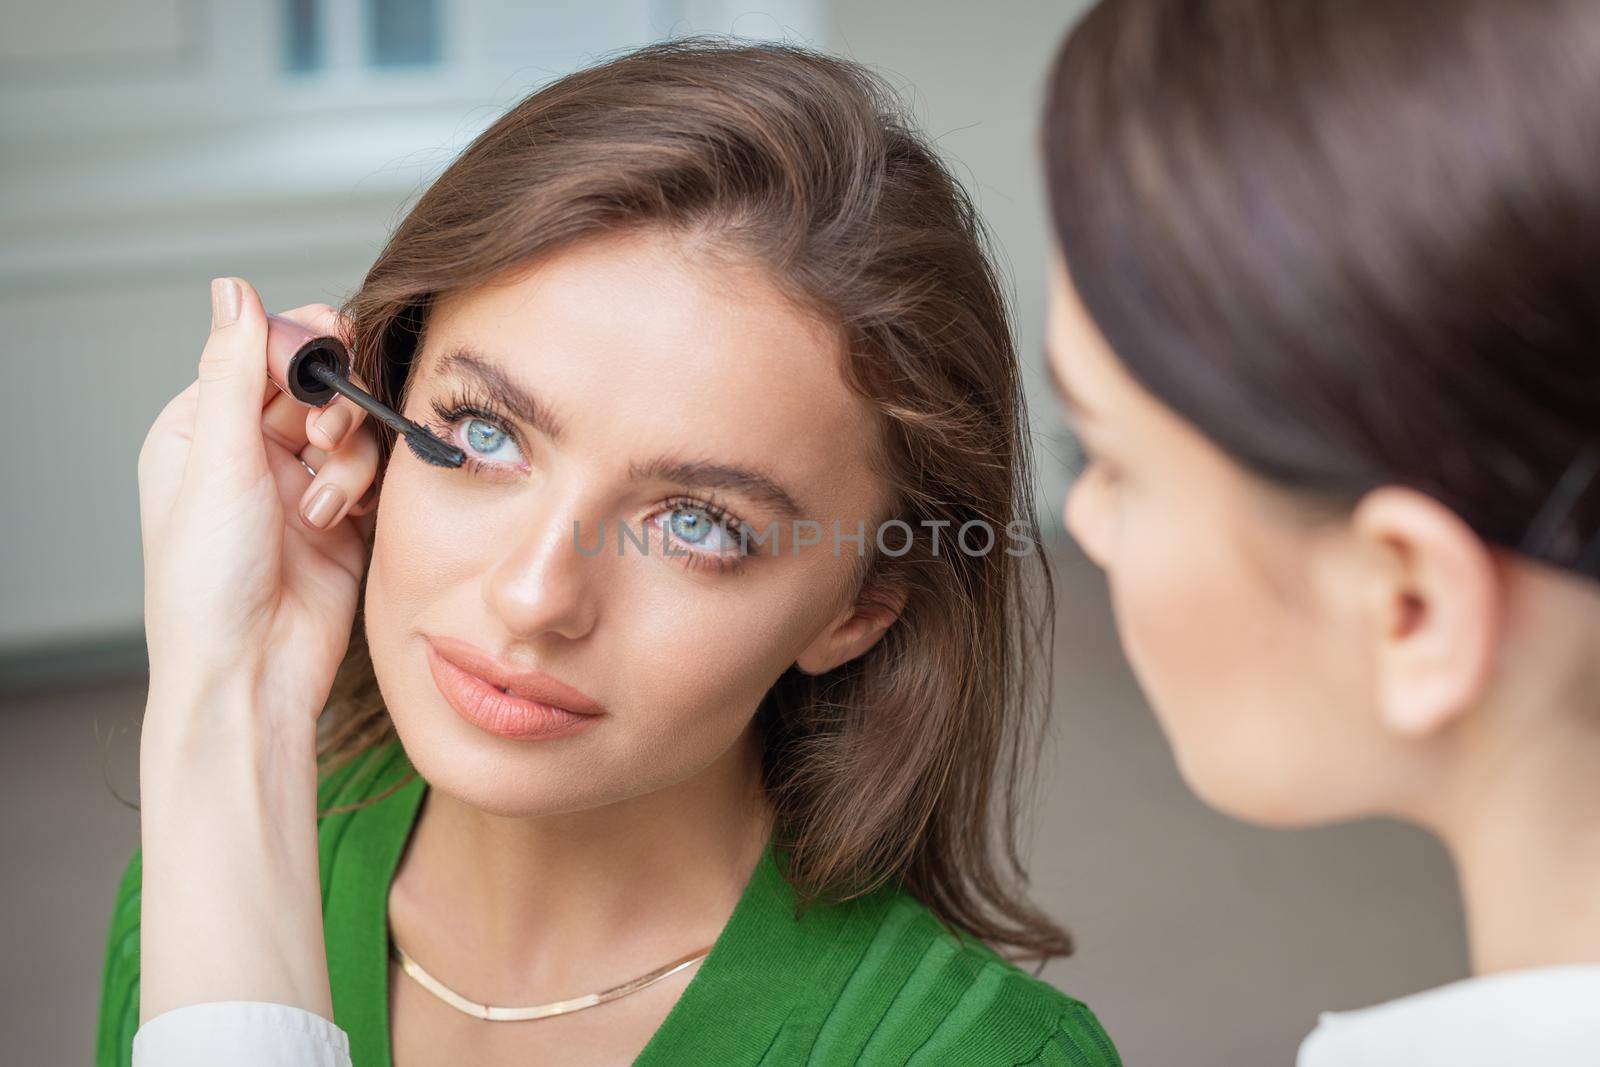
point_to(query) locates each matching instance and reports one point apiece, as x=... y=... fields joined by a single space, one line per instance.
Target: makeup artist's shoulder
x=975 y=1006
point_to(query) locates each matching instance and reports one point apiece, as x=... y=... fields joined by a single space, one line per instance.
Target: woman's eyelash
x=1079 y=458
x=451 y=409
x=1084 y=459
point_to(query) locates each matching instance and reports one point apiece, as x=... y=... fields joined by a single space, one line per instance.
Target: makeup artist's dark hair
x=1354 y=242
x=909 y=761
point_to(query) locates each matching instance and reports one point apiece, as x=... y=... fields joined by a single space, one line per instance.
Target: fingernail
x=324 y=506
x=224 y=301
x=335 y=422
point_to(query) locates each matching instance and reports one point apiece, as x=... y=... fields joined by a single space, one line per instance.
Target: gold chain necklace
x=540 y=1011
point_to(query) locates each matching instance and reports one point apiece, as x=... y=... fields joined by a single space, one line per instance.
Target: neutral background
x=146 y=147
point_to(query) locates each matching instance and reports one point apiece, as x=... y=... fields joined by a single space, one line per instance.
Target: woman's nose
x=545 y=584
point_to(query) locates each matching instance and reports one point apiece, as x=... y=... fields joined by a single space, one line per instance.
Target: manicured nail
x=335 y=423
x=224 y=301
x=324 y=506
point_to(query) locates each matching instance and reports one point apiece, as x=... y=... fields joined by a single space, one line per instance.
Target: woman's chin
x=496 y=775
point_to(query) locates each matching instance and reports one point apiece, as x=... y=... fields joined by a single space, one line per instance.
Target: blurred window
x=334 y=34
x=402 y=32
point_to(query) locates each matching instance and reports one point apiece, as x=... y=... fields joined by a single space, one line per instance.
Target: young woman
x=1327 y=320
x=739 y=804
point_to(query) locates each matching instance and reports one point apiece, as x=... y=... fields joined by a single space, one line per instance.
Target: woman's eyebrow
x=521 y=402
x=703 y=474
x=506 y=391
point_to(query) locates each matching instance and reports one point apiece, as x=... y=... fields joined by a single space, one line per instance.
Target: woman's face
x=1234 y=605
x=640 y=359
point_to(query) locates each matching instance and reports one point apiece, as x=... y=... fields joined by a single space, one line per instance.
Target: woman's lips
x=486 y=707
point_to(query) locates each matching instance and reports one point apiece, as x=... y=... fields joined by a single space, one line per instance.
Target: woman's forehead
x=642 y=305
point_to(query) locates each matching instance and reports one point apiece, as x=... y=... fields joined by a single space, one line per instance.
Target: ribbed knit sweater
x=874 y=980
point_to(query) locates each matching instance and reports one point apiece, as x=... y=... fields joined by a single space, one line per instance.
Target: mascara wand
x=313 y=368
x=424 y=445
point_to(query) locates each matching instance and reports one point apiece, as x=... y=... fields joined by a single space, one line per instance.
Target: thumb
x=233 y=371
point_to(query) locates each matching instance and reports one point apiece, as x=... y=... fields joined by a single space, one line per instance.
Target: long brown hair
x=910 y=761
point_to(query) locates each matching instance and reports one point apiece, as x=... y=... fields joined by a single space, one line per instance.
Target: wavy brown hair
x=911 y=760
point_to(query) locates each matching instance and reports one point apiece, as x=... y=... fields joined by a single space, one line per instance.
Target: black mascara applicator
x=314 y=368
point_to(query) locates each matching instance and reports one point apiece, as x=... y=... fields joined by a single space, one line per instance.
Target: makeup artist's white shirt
x=240 y=1033
x=1540 y=1017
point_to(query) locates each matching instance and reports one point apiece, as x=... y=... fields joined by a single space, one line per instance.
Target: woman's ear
x=1432 y=601
x=855 y=630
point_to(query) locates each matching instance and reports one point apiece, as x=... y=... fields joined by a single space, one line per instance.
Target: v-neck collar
x=731 y=1011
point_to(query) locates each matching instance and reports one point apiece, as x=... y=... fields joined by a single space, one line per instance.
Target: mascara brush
x=314 y=368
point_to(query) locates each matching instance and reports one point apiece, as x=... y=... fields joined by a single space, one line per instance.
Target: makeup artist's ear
x=856 y=629
x=1431 y=596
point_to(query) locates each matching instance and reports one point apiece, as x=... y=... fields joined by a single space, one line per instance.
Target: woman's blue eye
x=697 y=527
x=487 y=439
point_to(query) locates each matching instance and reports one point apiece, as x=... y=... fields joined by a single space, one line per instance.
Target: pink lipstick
x=507 y=701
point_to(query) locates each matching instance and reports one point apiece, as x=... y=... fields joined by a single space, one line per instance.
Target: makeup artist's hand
x=251 y=563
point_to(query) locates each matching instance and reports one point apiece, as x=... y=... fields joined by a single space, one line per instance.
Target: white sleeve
x=1332 y=1045
x=240 y=1033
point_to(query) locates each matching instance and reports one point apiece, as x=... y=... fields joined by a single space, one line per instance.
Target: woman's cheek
x=1177 y=608
x=712 y=655
x=421 y=543
x=1210 y=645
x=1159 y=603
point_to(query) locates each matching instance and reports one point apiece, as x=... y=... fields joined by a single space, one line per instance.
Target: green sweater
x=875 y=980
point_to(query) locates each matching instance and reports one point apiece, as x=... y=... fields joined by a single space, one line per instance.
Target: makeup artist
x=1327 y=320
